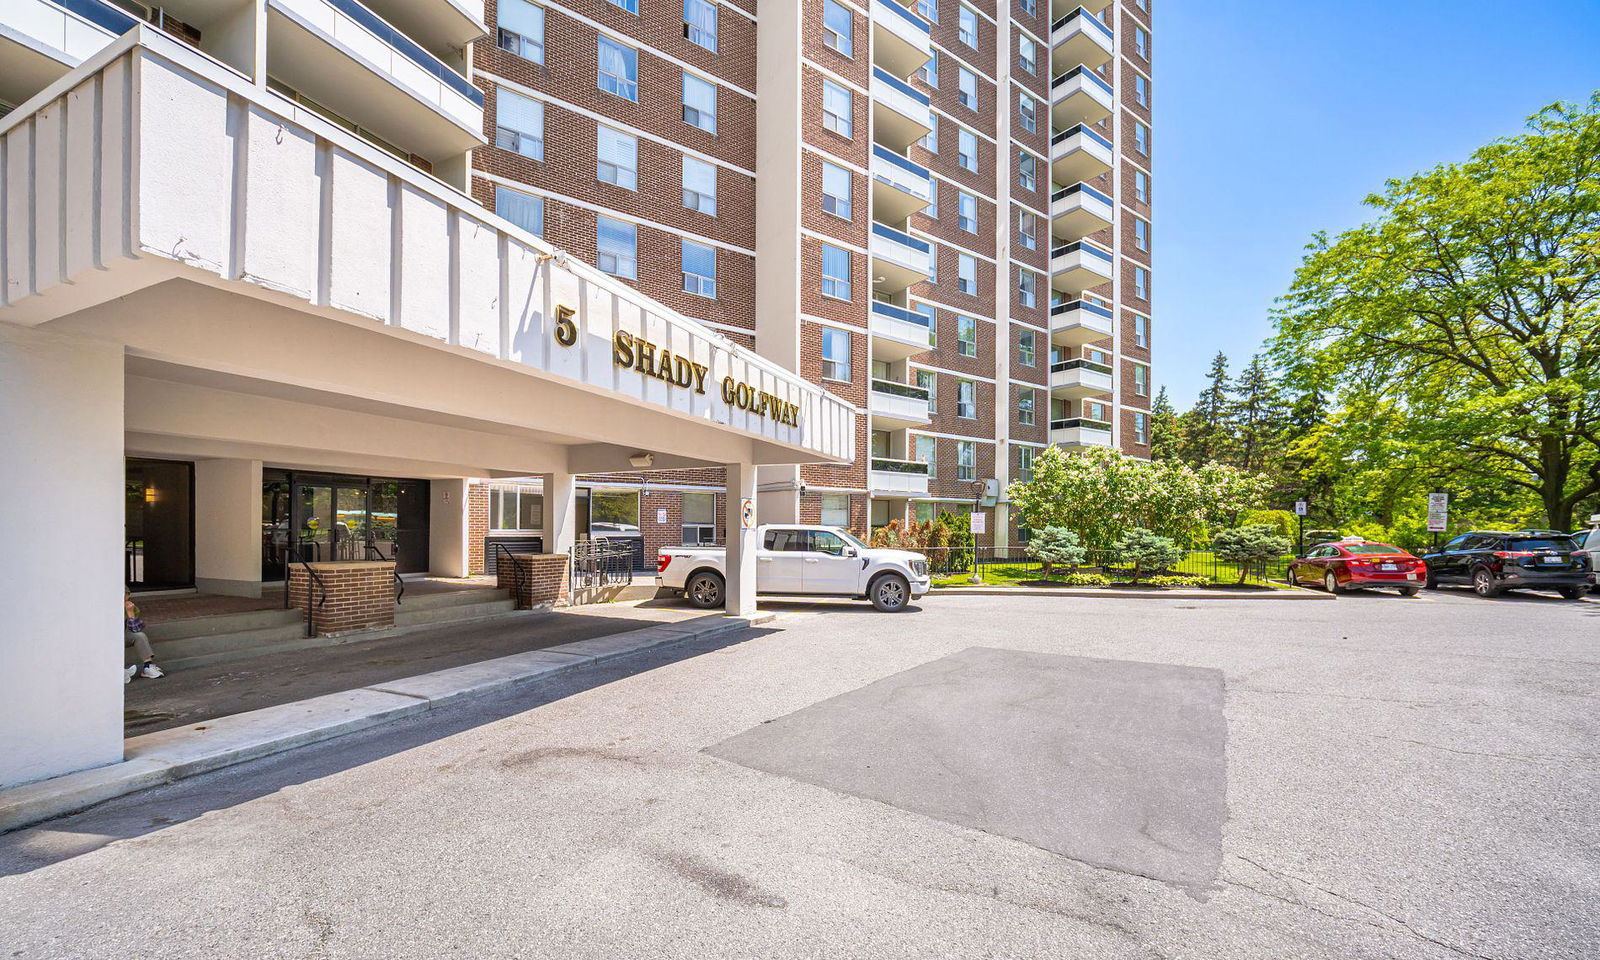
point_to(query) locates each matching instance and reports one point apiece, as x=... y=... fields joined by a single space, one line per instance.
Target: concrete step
x=176 y=654
x=437 y=599
x=220 y=624
x=406 y=615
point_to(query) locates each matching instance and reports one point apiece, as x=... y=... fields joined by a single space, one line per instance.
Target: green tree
x=1056 y=546
x=1255 y=417
x=1165 y=438
x=1258 y=543
x=1466 y=319
x=1147 y=550
x=1205 y=427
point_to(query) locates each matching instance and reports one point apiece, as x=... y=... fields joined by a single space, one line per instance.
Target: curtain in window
x=619 y=62
x=523 y=19
x=701 y=17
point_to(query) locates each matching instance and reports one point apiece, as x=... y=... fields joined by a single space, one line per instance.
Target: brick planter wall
x=543 y=580
x=360 y=596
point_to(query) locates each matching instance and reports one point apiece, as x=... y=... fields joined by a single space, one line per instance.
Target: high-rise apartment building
x=940 y=211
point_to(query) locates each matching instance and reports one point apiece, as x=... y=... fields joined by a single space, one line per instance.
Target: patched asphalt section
x=1118 y=764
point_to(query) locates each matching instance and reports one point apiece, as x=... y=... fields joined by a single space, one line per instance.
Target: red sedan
x=1347 y=564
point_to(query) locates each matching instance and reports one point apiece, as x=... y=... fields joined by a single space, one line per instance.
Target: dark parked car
x=1494 y=561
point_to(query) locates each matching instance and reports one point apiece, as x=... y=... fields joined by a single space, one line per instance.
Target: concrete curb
x=1170 y=593
x=171 y=755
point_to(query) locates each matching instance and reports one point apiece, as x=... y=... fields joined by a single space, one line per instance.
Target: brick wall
x=538 y=581
x=477 y=525
x=359 y=596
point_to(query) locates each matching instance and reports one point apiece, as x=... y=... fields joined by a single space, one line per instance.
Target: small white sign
x=979 y=522
x=1299 y=508
x=661 y=514
x=747 y=514
x=1438 y=512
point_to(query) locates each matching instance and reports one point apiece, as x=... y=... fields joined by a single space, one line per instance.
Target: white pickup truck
x=800 y=559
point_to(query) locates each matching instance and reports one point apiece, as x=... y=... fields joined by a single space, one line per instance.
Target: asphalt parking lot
x=1024 y=777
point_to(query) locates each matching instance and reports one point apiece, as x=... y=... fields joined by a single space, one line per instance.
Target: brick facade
x=346 y=596
x=536 y=581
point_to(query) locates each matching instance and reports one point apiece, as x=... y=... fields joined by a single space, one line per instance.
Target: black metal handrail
x=502 y=551
x=399 y=584
x=322 y=597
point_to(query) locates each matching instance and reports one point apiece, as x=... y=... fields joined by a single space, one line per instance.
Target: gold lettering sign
x=637 y=353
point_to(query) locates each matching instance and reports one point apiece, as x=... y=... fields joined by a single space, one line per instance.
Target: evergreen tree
x=1165 y=435
x=1255 y=417
x=1206 y=434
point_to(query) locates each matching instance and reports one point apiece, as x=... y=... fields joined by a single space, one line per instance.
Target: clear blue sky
x=1276 y=117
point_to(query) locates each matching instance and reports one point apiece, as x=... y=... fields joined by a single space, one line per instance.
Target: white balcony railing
x=898 y=478
x=900 y=187
x=1078 y=378
x=898 y=259
x=897 y=333
x=895 y=404
x=1079 y=266
x=67 y=36
x=1080 y=153
x=901 y=40
x=1077 y=322
x=1080 y=96
x=1078 y=211
x=1080 y=37
x=901 y=114
x=1079 y=432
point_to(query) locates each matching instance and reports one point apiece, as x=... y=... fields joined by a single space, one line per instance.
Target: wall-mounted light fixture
x=642 y=461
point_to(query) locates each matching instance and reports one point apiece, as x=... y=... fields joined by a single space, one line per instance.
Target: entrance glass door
x=351 y=524
x=321 y=518
x=315 y=522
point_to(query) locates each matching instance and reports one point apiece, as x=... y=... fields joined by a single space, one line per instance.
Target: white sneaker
x=127 y=675
x=151 y=672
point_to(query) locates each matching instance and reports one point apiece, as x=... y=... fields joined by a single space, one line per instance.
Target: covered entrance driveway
x=300 y=301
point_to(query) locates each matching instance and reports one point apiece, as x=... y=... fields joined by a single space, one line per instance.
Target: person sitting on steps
x=133 y=636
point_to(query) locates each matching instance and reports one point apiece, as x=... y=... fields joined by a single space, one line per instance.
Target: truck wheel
x=1483 y=583
x=890 y=593
x=1574 y=593
x=704 y=590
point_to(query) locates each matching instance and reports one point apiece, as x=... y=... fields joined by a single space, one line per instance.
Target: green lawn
x=1197 y=563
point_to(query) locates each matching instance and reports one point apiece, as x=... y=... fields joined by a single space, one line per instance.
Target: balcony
x=897 y=333
x=40 y=41
x=443 y=26
x=899 y=186
x=1079 y=432
x=900 y=114
x=1077 y=322
x=1079 y=37
x=1060 y=8
x=1079 y=153
x=351 y=62
x=1080 y=96
x=1076 y=267
x=897 y=478
x=1077 y=378
x=1079 y=211
x=901 y=42
x=895 y=405
x=898 y=259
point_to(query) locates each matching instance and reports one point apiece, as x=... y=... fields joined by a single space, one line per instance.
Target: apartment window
x=926 y=451
x=929 y=381
x=933 y=262
x=1141 y=186
x=1141 y=91
x=1028 y=54
x=967 y=88
x=966 y=460
x=699 y=269
x=929 y=72
x=618 y=246
x=836 y=108
x=1025 y=406
x=835 y=190
x=1141 y=331
x=1028 y=170
x=838 y=25
x=522 y=29
x=699 y=185
x=931 y=211
x=524 y=210
x=618 y=70
x=518 y=124
x=1141 y=380
x=1141 y=283
x=1141 y=428
x=966 y=273
x=930 y=140
x=967 y=149
x=926 y=309
x=1028 y=110
x=967 y=212
x=1141 y=234
x=1025 y=457
x=699 y=518
x=967 y=399
x=699 y=103
x=835 y=354
x=835 y=272
x=1027 y=287
x=1027 y=353
x=632 y=6
x=1094 y=410
x=835 y=510
x=1141 y=41
x=1141 y=137
x=515 y=508
x=700 y=23
x=617 y=158
x=968 y=28
x=966 y=336
x=1027 y=230
x=929 y=10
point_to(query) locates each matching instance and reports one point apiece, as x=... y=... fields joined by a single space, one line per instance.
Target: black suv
x=1493 y=561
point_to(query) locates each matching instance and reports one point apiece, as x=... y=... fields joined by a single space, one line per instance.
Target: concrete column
x=742 y=541
x=447 y=528
x=227 y=527
x=61 y=572
x=560 y=512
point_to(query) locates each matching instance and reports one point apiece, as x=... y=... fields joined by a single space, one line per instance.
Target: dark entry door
x=159 y=524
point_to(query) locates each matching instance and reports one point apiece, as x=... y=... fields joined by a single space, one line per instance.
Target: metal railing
x=502 y=551
x=1004 y=562
x=313 y=580
x=399 y=584
x=601 y=563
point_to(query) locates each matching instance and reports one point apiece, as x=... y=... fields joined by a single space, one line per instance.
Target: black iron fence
x=1014 y=563
x=602 y=563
